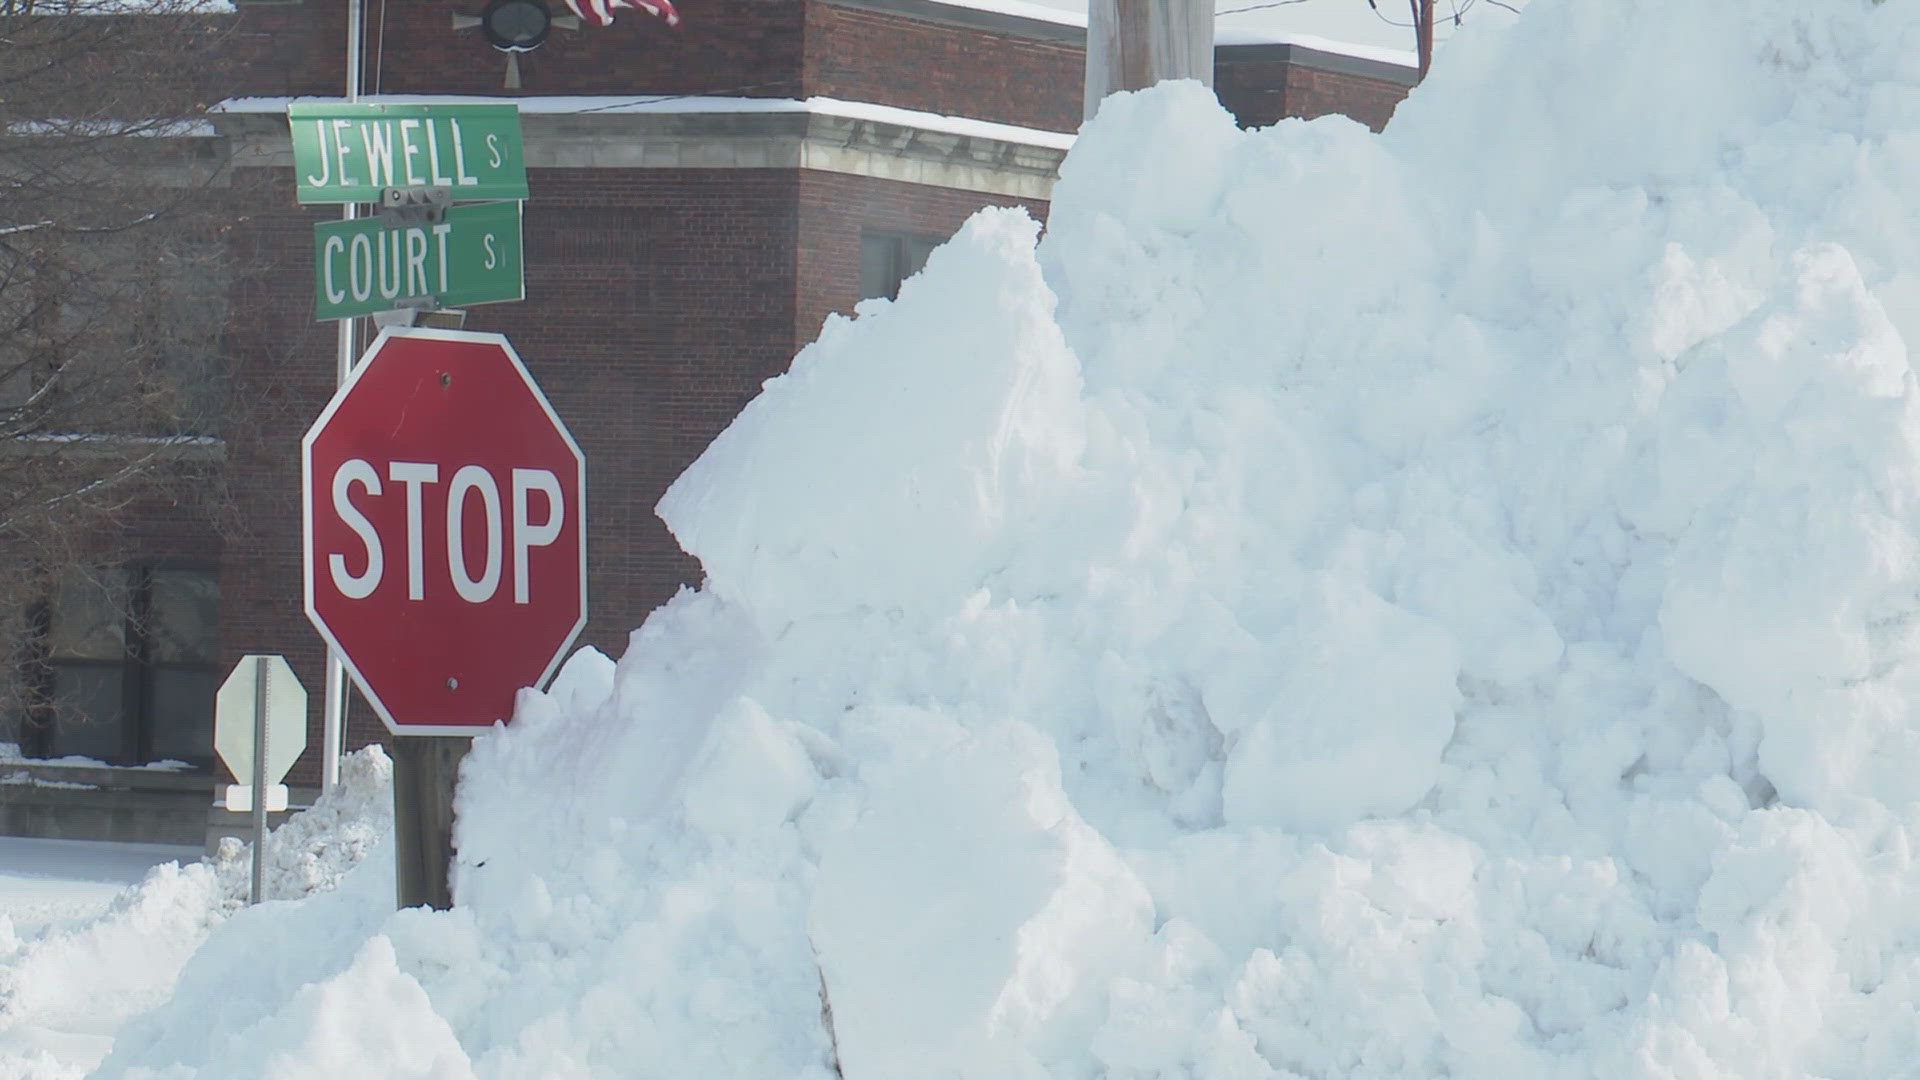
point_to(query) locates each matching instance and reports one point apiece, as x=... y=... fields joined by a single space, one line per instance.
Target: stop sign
x=446 y=523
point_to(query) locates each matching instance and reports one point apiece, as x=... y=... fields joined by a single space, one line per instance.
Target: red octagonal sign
x=446 y=523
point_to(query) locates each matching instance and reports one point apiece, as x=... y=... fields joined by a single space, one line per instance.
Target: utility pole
x=334 y=698
x=1132 y=44
x=1423 y=33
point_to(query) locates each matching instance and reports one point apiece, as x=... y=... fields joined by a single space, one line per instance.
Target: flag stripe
x=600 y=12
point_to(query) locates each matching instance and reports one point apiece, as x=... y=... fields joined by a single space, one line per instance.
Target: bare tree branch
x=114 y=279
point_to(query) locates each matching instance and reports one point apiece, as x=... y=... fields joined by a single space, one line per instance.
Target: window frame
x=906 y=255
x=138 y=665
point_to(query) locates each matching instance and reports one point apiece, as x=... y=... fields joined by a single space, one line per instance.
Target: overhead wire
x=1257 y=7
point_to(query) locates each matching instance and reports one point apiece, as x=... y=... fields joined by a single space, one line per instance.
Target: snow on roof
x=1024 y=9
x=1260 y=35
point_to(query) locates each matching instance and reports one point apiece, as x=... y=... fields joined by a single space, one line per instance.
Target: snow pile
x=313 y=849
x=1337 y=606
x=64 y=993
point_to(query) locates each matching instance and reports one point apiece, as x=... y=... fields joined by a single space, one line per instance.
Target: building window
x=128 y=668
x=887 y=259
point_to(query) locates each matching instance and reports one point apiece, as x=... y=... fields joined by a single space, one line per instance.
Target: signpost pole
x=261 y=670
x=426 y=769
x=259 y=730
x=333 y=727
x=470 y=152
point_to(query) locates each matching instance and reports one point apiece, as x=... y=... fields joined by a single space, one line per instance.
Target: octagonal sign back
x=446 y=522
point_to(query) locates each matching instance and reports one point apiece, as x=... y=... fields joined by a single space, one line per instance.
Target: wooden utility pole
x=1423 y=33
x=1132 y=44
x=426 y=769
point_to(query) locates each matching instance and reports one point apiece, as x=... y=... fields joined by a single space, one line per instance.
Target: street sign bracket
x=414 y=205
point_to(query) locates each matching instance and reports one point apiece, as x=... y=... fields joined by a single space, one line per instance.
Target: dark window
x=129 y=673
x=887 y=259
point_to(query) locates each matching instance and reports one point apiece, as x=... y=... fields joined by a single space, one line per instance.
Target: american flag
x=600 y=12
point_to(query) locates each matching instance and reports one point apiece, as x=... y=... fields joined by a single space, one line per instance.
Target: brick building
x=701 y=198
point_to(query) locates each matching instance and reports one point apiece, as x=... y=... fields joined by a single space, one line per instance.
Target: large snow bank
x=1441 y=603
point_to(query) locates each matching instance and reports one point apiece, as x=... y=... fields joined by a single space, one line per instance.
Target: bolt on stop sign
x=445 y=514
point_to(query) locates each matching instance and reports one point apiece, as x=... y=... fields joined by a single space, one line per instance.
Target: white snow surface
x=1251 y=633
x=68 y=984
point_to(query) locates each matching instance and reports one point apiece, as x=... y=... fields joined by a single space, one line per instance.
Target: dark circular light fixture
x=516 y=25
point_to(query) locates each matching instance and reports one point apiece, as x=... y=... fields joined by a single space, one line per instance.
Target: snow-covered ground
x=49 y=884
x=92 y=934
x=1443 y=603
x=50 y=889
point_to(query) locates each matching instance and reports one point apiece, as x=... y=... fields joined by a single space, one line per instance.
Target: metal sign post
x=261 y=675
x=333 y=731
x=422 y=253
x=259 y=730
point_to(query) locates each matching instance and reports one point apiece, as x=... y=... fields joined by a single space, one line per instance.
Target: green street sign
x=347 y=153
x=362 y=266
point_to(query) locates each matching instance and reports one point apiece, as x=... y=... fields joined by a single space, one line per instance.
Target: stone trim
x=736 y=140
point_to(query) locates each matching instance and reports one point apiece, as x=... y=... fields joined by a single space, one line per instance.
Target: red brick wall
x=747 y=48
x=275 y=50
x=1261 y=90
x=862 y=55
x=657 y=302
x=1254 y=91
x=1312 y=93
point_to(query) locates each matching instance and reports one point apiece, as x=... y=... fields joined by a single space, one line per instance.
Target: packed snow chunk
x=967 y=923
x=315 y=848
x=1791 y=469
x=1347 y=722
x=607 y=748
x=1224 y=262
x=904 y=453
x=752 y=776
